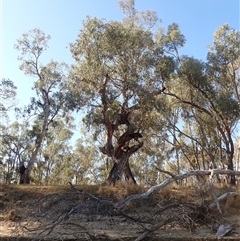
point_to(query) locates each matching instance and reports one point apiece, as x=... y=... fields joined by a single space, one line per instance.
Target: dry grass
x=234 y=202
x=220 y=189
x=120 y=191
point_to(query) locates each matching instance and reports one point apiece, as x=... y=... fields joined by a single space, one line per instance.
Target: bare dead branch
x=212 y=172
x=216 y=201
x=106 y=201
x=221 y=198
x=164 y=171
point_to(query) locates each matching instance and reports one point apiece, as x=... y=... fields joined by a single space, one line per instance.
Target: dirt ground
x=61 y=213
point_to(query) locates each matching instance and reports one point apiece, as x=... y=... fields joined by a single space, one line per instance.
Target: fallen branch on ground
x=221 y=198
x=168 y=181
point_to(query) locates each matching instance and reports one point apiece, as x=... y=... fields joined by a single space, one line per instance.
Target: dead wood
x=168 y=181
x=221 y=198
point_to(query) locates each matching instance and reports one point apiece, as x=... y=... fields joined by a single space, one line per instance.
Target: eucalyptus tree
x=55 y=146
x=7 y=101
x=223 y=69
x=48 y=85
x=86 y=164
x=15 y=145
x=115 y=79
x=7 y=95
x=209 y=89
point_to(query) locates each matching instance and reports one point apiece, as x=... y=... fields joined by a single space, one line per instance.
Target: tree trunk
x=231 y=176
x=230 y=153
x=120 y=149
x=114 y=174
x=121 y=164
x=24 y=175
x=118 y=170
x=128 y=173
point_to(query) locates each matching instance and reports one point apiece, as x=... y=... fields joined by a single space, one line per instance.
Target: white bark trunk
x=39 y=141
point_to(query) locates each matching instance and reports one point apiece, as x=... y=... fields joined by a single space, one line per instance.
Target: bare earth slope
x=62 y=213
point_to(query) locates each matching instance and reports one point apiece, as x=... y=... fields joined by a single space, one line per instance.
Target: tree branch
x=172 y=179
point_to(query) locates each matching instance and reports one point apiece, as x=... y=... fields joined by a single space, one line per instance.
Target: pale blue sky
x=62 y=19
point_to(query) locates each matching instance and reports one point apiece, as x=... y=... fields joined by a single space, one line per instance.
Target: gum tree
x=208 y=92
x=115 y=79
x=7 y=96
x=48 y=86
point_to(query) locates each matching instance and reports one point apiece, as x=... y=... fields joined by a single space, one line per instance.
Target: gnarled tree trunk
x=121 y=164
x=124 y=145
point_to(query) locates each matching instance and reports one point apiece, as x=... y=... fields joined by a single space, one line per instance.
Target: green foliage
x=131 y=58
x=15 y=147
x=31 y=46
x=172 y=40
x=7 y=95
x=225 y=47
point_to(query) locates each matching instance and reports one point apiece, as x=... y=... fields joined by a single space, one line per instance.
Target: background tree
x=209 y=91
x=49 y=87
x=89 y=165
x=7 y=95
x=54 y=147
x=16 y=144
x=7 y=101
